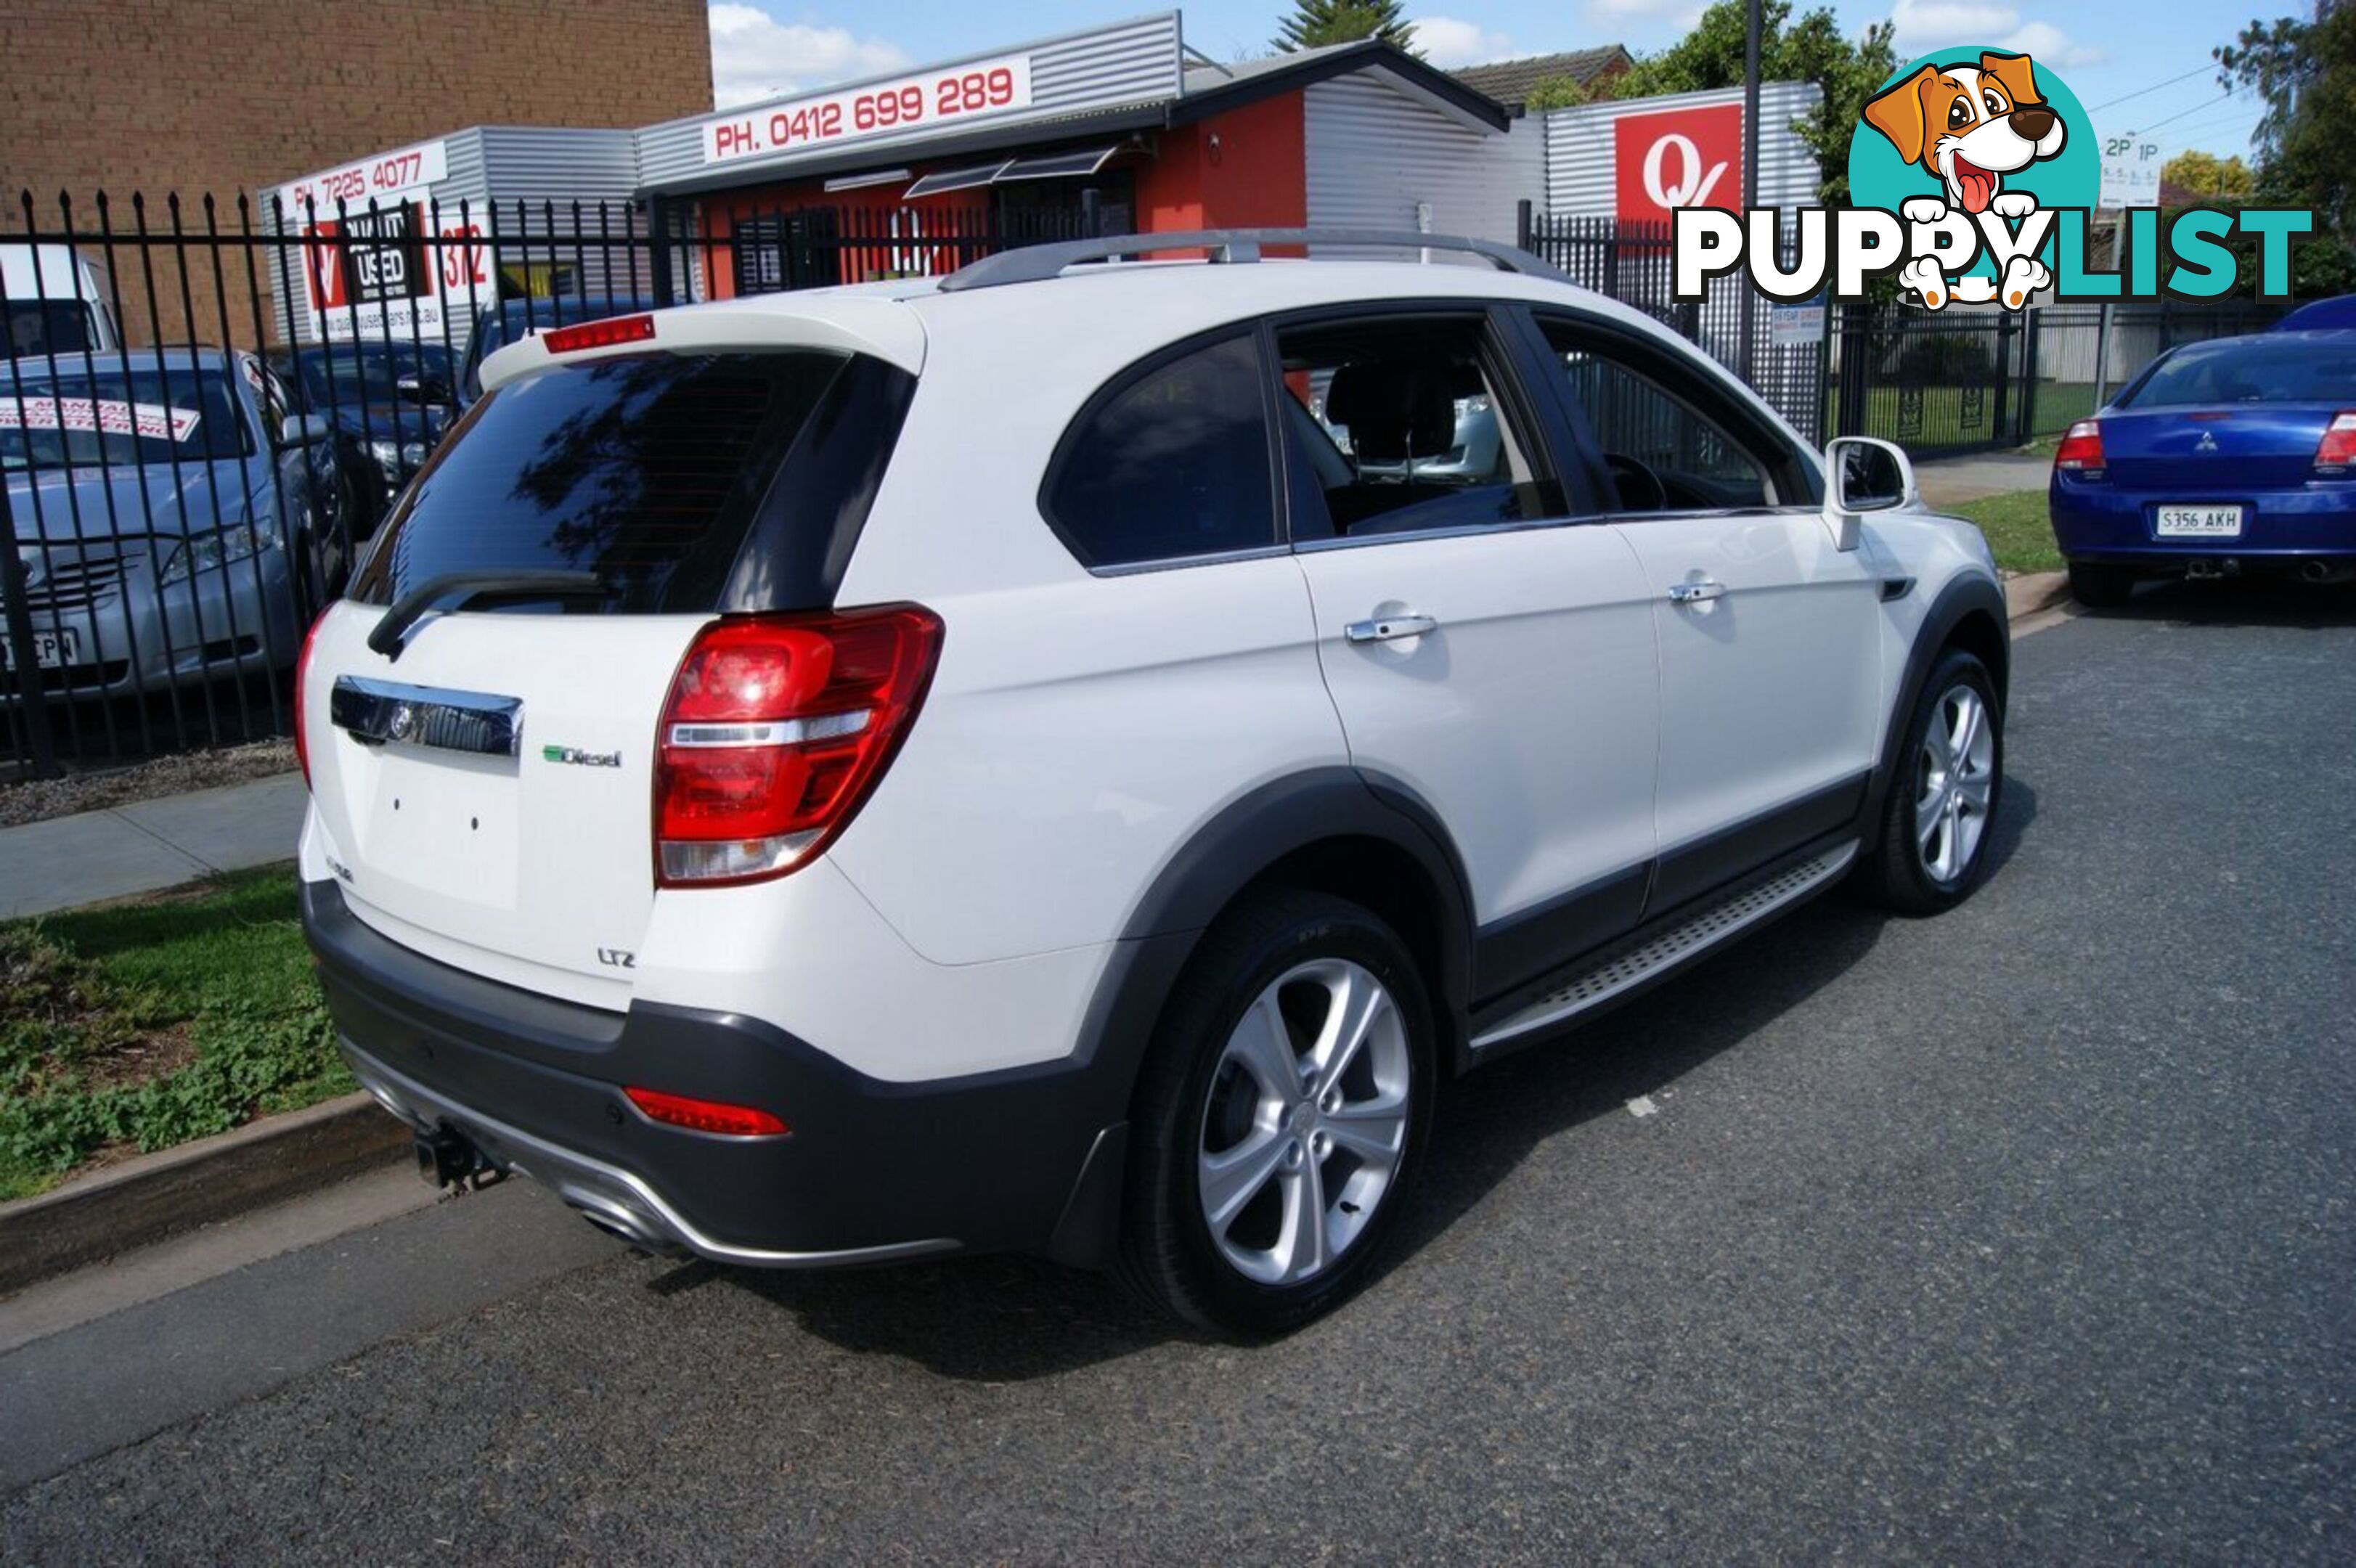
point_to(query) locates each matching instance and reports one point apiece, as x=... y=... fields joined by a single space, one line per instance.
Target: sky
x=2140 y=65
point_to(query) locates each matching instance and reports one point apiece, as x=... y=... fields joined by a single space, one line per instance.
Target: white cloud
x=754 y=56
x=1927 y=25
x=1449 y=42
x=1679 y=14
x=2050 y=46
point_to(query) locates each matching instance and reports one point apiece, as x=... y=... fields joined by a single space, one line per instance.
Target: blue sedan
x=2231 y=456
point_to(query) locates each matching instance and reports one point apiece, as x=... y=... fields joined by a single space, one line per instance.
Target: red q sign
x=1677 y=157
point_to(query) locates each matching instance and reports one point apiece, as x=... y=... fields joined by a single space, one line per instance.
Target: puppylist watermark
x=1974 y=174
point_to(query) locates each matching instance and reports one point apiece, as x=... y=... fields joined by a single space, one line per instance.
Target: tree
x=2205 y=173
x=1813 y=50
x=1556 y=92
x=1316 y=23
x=2304 y=72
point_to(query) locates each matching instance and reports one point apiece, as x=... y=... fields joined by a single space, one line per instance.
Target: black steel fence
x=208 y=408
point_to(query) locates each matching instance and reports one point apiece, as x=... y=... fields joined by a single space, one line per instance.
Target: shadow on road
x=2239 y=601
x=998 y=1319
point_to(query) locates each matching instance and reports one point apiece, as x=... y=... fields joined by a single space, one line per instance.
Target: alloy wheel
x=1306 y=1122
x=1955 y=783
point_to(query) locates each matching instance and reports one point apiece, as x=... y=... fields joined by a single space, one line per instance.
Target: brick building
x=231 y=96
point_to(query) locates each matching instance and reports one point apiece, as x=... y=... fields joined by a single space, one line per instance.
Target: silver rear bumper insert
x=612 y=1199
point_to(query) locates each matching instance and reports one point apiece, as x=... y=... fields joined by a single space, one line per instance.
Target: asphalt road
x=2021 y=1234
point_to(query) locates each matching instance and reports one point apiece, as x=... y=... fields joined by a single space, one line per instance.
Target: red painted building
x=1113 y=131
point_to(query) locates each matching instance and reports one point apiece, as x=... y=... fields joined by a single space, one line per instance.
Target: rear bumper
x=1025 y=1159
x=2102 y=522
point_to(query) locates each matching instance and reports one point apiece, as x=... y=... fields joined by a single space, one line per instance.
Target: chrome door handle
x=1390 y=629
x=1696 y=592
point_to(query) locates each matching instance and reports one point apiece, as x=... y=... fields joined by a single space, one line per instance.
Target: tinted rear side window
x=1174 y=463
x=647 y=471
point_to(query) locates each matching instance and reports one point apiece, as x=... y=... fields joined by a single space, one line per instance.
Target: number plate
x=51 y=650
x=2174 y=522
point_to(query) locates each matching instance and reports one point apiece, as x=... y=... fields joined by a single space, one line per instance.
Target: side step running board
x=1636 y=966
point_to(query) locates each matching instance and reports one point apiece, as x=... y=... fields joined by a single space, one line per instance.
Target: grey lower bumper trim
x=612 y=1198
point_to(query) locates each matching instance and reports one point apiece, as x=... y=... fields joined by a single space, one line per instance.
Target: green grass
x=2017 y=528
x=1940 y=425
x=148 y=1024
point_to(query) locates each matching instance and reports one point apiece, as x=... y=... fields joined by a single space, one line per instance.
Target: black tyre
x=1279 y=1117
x=1940 y=806
x=2100 y=587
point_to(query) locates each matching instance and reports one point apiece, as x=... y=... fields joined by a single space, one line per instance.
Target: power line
x=2205 y=103
x=2201 y=128
x=2155 y=87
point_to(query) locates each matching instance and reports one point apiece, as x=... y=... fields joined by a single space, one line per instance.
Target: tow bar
x=446 y=1158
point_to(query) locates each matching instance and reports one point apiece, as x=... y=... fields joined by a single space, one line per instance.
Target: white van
x=53 y=300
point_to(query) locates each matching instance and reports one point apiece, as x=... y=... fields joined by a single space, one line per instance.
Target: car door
x=1481 y=649
x=1769 y=633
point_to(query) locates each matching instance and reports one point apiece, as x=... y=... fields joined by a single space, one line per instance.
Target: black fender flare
x=1962 y=597
x=1226 y=854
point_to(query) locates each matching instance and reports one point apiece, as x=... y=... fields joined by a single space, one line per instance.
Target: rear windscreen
x=647 y=471
x=2283 y=371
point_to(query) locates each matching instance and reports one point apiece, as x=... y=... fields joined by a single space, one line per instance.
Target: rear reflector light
x=2081 y=450
x=705 y=1116
x=777 y=729
x=599 y=334
x=2338 y=448
x=301 y=723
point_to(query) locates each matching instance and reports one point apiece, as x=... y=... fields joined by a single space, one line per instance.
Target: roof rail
x=1036 y=263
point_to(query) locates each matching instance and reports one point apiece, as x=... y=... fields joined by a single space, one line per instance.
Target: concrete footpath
x=69 y=861
x=1950 y=481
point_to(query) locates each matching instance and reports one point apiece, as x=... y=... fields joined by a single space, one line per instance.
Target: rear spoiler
x=880 y=327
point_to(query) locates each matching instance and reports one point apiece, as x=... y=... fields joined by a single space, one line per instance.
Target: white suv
x=1039 y=760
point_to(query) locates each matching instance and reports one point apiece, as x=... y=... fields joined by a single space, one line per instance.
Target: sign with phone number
x=385 y=179
x=951 y=96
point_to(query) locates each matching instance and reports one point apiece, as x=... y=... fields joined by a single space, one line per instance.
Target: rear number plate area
x=2173 y=521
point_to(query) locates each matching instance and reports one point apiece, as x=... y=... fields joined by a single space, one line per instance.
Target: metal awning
x=1046 y=166
x=956 y=179
x=1059 y=165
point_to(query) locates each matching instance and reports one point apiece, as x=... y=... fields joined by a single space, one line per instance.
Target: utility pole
x=1750 y=302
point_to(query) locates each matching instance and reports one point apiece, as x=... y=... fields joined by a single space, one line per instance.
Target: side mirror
x=1865 y=475
x=305 y=429
x=425 y=391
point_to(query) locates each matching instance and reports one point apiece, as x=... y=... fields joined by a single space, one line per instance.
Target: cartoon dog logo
x=1969 y=127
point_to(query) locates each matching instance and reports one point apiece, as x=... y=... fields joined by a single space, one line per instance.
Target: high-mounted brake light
x=2080 y=451
x=301 y=722
x=606 y=334
x=2336 y=449
x=705 y=1116
x=777 y=729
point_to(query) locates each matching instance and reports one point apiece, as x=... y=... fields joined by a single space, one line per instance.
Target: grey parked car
x=174 y=521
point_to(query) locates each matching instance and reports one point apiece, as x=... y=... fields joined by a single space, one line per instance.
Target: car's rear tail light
x=607 y=333
x=705 y=1116
x=302 y=720
x=2336 y=449
x=2081 y=450
x=777 y=729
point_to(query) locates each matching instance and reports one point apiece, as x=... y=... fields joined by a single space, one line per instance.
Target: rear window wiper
x=456 y=590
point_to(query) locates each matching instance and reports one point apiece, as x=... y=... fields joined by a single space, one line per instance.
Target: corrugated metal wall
x=1579 y=166
x=1105 y=67
x=1375 y=153
x=547 y=169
